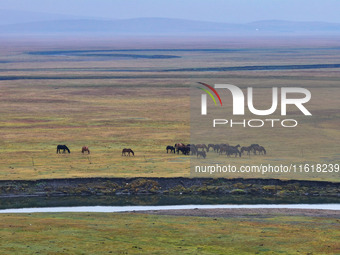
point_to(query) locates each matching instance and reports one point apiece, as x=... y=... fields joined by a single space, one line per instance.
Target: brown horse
x=126 y=152
x=179 y=146
x=85 y=148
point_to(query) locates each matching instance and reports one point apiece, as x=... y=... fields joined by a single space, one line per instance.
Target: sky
x=229 y=11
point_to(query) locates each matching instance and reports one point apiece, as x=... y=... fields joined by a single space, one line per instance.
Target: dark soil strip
x=168 y=186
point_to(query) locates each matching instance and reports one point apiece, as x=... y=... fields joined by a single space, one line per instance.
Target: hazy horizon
x=232 y=11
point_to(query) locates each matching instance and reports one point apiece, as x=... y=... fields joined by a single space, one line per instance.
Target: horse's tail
x=133 y=154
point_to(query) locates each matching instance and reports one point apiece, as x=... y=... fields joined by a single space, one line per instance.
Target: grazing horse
x=233 y=150
x=193 y=149
x=202 y=146
x=236 y=147
x=223 y=147
x=127 y=151
x=62 y=147
x=184 y=149
x=254 y=147
x=178 y=147
x=210 y=145
x=247 y=149
x=217 y=148
x=261 y=150
x=171 y=148
x=201 y=154
x=85 y=148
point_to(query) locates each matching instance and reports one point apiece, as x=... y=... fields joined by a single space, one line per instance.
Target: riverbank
x=167 y=186
x=247 y=212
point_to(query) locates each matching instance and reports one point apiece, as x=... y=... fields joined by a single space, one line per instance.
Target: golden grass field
x=110 y=103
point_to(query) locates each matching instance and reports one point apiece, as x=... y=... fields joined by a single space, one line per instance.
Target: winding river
x=110 y=209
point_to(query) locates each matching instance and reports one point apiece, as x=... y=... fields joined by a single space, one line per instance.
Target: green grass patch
x=102 y=233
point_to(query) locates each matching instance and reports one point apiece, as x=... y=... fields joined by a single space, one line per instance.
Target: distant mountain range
x=45 y=24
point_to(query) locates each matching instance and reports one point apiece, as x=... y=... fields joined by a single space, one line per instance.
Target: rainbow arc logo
x=204 y=97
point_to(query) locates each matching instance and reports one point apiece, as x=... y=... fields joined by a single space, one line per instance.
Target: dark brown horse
x=233 y=150
x=62 y=147
x=201 y=154
x=184 y=149
x=210 y=145
x=179 y=147
x=170 y=148
x=254 y=147
x=261 y=150
x=126 y=152
x=223 y=148
x=247 y=149
x=85 y=148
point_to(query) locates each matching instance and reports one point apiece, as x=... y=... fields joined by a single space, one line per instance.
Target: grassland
x=100 y=233
x=109 y=102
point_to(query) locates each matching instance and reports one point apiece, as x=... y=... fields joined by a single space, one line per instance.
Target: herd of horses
x=201 y=149
x=192 y=149
x=64 y=148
